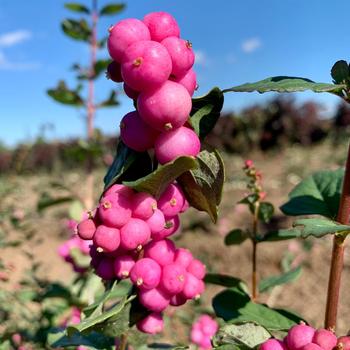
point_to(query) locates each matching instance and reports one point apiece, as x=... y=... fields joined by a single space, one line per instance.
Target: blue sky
x=235 y=42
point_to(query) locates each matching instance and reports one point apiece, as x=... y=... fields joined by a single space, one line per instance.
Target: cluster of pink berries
x=203 y=330
x=129 y=232
x=155 y=65
x=303 y=337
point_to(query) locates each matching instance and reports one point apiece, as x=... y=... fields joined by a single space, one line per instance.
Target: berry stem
x=123 y=341
x=338 y=253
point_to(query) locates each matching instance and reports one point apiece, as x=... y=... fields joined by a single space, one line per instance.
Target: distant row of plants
x=279 y=123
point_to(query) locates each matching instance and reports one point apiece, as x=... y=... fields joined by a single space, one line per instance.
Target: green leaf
x=65 y=95
x=286 y=84
x=266 y=211
x=125 y=161
x=78 y=30
x=92 y=323
x=340 y=72
x=76 y=210
x=111 y=101
x=273 y=281
x=118 y=290
x=319 y=227
x=317 y=194
x=47 y=201
x=112 y=9
x=73 y=6
x=225 y=281
x=206 y=111
x=156 y=182
x=101 y=67
x=249 y=334
x=236 y=236
x=280 y=235
x=58 y=338
x=233 y=304
x=5 y=345
x=80 y=260
x=203 y=186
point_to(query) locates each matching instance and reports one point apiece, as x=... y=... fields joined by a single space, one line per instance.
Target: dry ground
x=281 y=171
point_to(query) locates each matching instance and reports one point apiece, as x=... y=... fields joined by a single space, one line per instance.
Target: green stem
x=254 y=253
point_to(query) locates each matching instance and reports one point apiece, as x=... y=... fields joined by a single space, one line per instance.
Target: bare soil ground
x=281 y=171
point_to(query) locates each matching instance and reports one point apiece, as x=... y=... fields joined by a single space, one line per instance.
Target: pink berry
x=208 y=324
x=172 y=224
x=178 y=300
x=156 y=222
x=189 y=81
x=135 y=133
x=107 y=238
x=197 y=269
x=166 y=108
x=193 y=287
x=161 y=25
x=183 y=257
x=325 y=339
x=154 y=299
x=299 y=335
x=187 y=142
x=121 y=189
x=151 y=324
x=123 y=265
x=105 y=269
x=114 y=72
x=173 y=278
x=86 y=229
x=172 y=200
x=273 y=344
x=125 y=33
x=345 y=342
x=134 y=234
x=203 y=330
x=162 y=251
x=131 y=93
x=114 y=210
x=146 y=65
x=143 y=205
x=311 y=346
x=181 y=53
x=146 y=273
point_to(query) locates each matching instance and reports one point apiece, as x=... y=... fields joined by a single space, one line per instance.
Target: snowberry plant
x=326 y=196
x=161 y=168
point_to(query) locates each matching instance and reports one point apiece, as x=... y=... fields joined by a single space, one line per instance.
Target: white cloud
x=6 y=64
x=14 y=38
x=251 y=45
x=11 y=39
x=201 y=58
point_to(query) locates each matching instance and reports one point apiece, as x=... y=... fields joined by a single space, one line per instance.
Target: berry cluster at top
x=303 y=337
x=130 y=234
x=155 y=65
